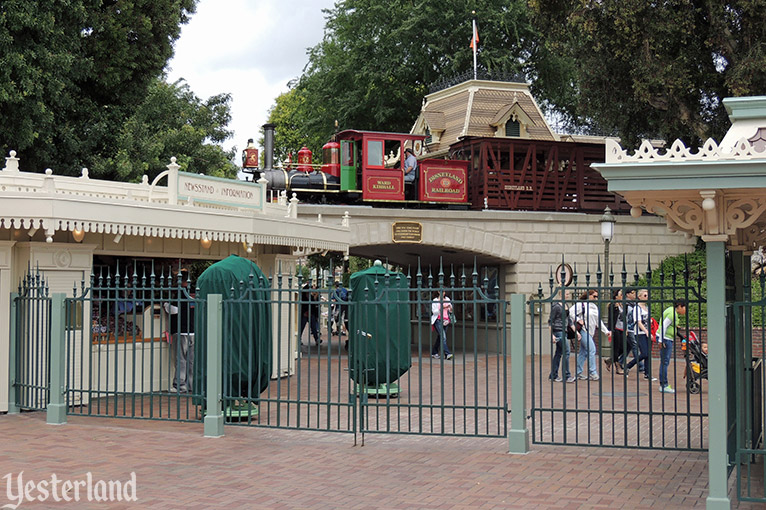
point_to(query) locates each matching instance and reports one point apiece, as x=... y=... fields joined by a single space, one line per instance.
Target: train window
x=375 y=153
x=347 y=153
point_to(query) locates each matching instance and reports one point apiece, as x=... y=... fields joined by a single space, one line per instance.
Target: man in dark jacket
x=310 y=312
x=558 y=323
x=181 y=317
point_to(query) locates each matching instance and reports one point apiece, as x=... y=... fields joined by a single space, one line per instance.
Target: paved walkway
x=256 y=468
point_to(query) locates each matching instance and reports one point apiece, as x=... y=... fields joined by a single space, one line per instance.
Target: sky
x=250 y=49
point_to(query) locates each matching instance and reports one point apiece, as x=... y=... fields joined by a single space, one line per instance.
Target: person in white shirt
x=440 y=309
x=585 y=313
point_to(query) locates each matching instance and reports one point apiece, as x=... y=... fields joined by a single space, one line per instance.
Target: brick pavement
x=257 y=468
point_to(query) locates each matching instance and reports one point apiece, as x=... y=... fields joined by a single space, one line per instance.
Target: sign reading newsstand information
x=406 y=232
x=217 y=190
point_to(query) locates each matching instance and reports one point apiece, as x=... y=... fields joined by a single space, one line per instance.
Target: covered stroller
x=696 y=364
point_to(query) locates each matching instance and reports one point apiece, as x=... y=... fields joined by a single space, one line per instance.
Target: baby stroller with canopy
x=696 y=364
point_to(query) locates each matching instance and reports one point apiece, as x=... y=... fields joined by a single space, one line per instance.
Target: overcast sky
x=249 y=48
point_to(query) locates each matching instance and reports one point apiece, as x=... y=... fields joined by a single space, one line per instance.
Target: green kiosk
x=380 y=330
x=246 y=333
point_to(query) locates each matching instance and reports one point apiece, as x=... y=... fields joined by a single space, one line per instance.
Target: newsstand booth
x=380 y=329
x=63 y=225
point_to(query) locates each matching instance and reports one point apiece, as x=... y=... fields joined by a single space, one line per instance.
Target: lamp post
x=607 y=233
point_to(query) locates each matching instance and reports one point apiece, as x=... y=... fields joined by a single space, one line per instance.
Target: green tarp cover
x=380 y=326
x=246 y=326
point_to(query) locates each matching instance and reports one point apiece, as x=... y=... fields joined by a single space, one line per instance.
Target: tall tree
x=171 y=121
x=377 y=59
x=74 y=71
x=653 y=69
x=289 y=114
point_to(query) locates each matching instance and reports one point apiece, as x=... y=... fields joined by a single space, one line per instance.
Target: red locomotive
x=368 y=166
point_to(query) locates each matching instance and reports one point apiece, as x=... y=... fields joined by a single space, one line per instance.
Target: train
x=363 y=166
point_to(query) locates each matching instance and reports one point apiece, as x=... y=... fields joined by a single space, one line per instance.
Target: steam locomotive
x=364 y=166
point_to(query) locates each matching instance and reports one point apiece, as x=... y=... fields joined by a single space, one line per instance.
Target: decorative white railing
x=710 y=151
x=12 y=180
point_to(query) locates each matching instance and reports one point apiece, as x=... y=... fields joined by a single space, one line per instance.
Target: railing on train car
x=534 y=175
x=608 y=400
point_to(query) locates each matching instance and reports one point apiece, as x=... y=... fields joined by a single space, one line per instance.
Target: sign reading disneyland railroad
x=445 y=180
x=216 y=190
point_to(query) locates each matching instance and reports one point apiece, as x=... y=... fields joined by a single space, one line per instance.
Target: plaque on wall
x=406 y=232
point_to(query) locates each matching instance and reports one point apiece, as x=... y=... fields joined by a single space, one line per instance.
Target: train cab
x=371 y=162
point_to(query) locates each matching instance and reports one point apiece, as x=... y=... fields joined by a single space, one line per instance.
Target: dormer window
x=513 y=128
x=511 y=121
x=429 y=138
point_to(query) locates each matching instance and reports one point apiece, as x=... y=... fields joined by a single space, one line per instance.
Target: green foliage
x=651 y=69
x=288 y=114
x=171 y=121
x=679 y=277
x=74 y=71
x=377 y=59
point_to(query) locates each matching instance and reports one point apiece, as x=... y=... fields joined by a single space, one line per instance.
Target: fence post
x=214 y=411
x=57 y=362
x=518 y=435
x=13 y=405
x=718 y=476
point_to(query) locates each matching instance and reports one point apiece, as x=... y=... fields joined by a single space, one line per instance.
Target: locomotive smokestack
x=268 y=147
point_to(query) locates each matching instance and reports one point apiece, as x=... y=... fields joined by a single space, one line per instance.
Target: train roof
x=354 y=134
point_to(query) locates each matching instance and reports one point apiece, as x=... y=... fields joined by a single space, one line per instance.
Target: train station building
x=69 y=228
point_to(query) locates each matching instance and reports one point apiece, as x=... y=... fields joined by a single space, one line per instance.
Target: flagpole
x=475 y=44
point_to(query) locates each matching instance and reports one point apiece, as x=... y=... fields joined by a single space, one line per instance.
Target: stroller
x=696 y=364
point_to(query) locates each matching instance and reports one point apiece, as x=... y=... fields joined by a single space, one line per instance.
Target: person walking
x=666 y=338
x=561 y=328
x=616 y=324
x=440 y=312
x=310 y=312
x=180 y=312
x=642 y=321
x=631 y=347
x=586 y=318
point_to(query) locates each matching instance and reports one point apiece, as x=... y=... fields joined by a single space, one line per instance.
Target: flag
x=475 y=39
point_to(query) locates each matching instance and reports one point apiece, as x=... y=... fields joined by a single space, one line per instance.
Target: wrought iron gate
x=747 y=412
x=30 y=344
x=327 y=385
x=609 y=400
x=129 y=354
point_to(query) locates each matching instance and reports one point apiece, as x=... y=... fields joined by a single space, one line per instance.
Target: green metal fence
x=30 y=344
x=608 y=400
x=749 y=413
x=122 y=352
x=127 y=352
x=314 y=386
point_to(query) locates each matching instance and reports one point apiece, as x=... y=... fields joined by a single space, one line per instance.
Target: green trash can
x=380 y=329
x=246 y=331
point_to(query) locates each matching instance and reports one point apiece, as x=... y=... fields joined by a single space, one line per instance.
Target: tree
x=642 y=69
x=74 y=71
x=289 y=114
x=171 y=121
x=377 y=59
